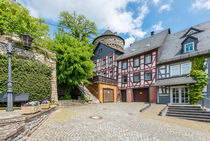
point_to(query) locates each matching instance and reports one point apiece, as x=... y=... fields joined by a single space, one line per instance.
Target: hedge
x=28 y=77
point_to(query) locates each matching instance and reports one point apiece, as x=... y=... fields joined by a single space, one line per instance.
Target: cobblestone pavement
x=121 y=121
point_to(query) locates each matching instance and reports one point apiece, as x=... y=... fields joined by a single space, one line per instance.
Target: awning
x=175 y=81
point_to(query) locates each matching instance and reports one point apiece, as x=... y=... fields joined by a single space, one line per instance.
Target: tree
x=77 y=26
x=15 y=19
x=74 y=65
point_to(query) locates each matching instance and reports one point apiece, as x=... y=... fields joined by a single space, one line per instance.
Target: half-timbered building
x=104 y=84
x=174 y=63
x=137 y=69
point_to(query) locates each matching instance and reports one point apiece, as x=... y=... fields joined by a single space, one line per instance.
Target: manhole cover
x=95 y=117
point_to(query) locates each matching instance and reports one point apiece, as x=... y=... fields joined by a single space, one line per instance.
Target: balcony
x=105 y=80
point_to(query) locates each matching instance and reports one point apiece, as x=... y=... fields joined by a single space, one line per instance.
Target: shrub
x=28 y=77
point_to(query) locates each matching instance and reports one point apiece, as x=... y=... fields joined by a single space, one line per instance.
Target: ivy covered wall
x=28 y=77
x=199 y=74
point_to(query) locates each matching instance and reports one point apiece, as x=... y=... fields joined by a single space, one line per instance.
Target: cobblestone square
x=120 y=121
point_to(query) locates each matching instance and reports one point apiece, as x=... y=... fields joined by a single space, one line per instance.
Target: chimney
x=152 y=33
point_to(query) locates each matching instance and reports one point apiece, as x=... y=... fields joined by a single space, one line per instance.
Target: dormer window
x=191 y=31
x=189 y=47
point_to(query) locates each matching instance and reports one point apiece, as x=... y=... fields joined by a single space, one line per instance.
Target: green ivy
x=199 y=74
x=28 y=77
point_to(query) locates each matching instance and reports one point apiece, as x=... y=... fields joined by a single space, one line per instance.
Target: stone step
x=186 y=110
x=190 y=116
x=189 y=113
x=195 y=119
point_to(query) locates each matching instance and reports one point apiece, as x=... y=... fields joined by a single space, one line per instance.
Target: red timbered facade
x=137 y=69
x=138 y=73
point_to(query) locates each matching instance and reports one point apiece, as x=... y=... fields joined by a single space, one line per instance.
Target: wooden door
x=108 y=95
x=123 y=95
x=141 y=95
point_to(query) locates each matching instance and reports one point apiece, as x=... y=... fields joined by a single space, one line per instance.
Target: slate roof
x=147 y=44
x=171 y=48
x=175 y=81
x=109 y=33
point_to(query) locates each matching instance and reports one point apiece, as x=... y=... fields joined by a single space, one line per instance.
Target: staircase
x=91 y=98
x=189 y=112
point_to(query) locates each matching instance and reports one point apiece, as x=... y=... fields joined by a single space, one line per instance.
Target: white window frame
x=124 y=62
x=175 y=69
x=189 y=48
x=135 y=74
x=104 y=60
x=148 y=72
x=123 y=79
x=110 y=73
x=146 y=58
x=111 y=60
x=190 y=65
x=134 y=60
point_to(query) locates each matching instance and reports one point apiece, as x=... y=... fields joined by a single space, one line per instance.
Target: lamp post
x=26 y=41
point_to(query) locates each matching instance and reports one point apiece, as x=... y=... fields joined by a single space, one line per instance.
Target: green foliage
x=74 y=65
x=66 y=97
x=15 y=19
x=28 y=77
x=77 y=26
x=84 y=97
x=199 y=74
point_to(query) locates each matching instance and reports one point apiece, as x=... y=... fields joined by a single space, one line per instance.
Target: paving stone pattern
x=121 y=122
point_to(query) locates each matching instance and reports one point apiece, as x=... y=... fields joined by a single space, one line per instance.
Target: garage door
x=108 y=95
x=141 y=95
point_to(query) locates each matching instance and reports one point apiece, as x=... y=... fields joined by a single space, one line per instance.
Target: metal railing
x=101 y=79
x=203 y=102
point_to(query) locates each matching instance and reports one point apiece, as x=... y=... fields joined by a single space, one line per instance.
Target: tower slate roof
x=147 y=44
x=170 y=51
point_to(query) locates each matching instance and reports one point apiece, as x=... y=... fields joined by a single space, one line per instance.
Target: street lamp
x=27 y=41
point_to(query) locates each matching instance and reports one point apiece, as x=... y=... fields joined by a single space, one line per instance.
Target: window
x=110 y=59
x=148 y=75
x=148 y=59
x=104 y=74
x=124 y=79
x=110 y=73
x=104 y=62
x=136 y=77
x=99 y=50
x=175 y=70
x=136 y=62
x=124 y=65
x=188 y=47
x=186 y=68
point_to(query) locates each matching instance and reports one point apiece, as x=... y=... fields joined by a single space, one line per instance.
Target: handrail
x=202 y=102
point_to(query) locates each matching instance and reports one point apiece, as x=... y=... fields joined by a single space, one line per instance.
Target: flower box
x=30 y=110
x=45 y=106
x=30 y=107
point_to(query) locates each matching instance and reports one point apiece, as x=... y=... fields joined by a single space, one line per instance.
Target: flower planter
x=30 y=110
x=45 y=106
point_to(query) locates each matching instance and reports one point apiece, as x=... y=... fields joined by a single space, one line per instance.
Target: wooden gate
x=108 y=95
x=141 y=95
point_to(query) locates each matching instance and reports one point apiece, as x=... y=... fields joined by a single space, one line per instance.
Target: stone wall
x=111 y=41
x=36 y=55
x=20 y=127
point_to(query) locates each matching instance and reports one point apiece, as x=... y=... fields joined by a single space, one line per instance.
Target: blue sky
x=131 y=19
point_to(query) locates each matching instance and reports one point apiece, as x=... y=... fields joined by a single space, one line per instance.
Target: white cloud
x=105 y=13
x=158 y=26
x=201 y=4
x=129 y=41
x=166 y=6
x=156 y=1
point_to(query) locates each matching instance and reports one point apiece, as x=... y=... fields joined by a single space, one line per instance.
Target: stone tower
x=110 y=39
